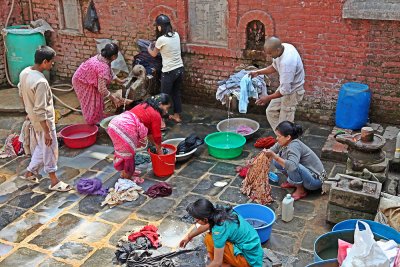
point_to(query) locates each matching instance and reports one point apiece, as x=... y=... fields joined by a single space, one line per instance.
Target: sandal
x=60 y=187
x=287 y=185
x=33 y=178
x=300 y=196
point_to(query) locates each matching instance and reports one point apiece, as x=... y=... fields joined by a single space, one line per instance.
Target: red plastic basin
x=79 y=135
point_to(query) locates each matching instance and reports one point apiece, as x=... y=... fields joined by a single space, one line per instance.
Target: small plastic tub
x=225 y=145
x=261 y=213
x=79 y=135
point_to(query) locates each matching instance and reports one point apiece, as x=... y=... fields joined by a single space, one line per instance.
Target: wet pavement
x=43 y=228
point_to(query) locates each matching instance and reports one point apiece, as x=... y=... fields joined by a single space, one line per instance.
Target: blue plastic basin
x=259 y=212
x=376 y=228
x=326 y=263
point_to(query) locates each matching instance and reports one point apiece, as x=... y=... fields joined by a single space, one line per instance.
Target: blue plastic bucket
x=377 y=228
x=258 y=212
x=326 y=245
x=326 y=263
x=352 y=106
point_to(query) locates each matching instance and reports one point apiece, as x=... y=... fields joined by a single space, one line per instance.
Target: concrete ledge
x=10 y=101
x=372 y=9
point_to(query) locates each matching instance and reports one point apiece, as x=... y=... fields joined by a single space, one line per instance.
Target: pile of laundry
x=12 y=147
x=124 y=190
x=152 y=64
x=133 y=249
x=233 y=86
x=191 y=142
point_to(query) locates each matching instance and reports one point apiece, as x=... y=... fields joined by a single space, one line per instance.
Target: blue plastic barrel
x=353 y=106
x=258 y=212
x=376 y=228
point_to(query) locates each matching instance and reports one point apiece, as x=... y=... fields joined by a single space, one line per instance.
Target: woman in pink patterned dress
x=129 y=130
x=90 y=82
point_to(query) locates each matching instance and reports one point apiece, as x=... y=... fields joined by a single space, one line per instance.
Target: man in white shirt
x=37 y=97
x=287 y=62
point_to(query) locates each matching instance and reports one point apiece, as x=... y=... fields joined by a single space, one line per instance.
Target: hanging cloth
x=256 y=184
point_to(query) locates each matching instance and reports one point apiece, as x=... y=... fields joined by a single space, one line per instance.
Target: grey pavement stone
x=196 y=258
x=223 y=168
x=105 y=166
x=102 y=257
x=11 y=189
x=180 y=210
x=195 y=169
x=308 y=240
x=206 y=186
x=314 y=142
x=318 y=130
x=90 y=232
x=72 y=251
x=233 y=195
x=27 y=200
x=237 y=182
x=134 y=205
x=70 y=152
x=115 y=214
x=8 y=214
x=4 y=249
x=337 y=168
x=303 y=258
x=23 y=227
x=128 y=226
x=295 y=226
x=282 y=243
x=55 y=204
x=172 y=231
x=391 y=132
x=181 y=186
x=79 y=162
x=23 y=257
x=278 y=193
x=304 y=209
x=155 y=209
x=56 y=232
x=89 y=205
x=49 y=262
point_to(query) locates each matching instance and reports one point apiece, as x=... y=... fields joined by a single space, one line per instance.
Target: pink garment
x=127 y=133
x=85 y=82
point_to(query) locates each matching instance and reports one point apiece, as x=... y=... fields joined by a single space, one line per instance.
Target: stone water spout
x=365 y=150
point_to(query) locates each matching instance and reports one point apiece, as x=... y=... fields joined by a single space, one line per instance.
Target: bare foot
x=176 y=117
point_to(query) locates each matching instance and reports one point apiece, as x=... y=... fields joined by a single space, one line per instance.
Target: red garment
x=242 y=170
x=265 y=142
x=151 y=118
x=17 y=145
x=149 y=231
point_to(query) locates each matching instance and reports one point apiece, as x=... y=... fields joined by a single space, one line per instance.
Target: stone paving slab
x=72 y=251
x=102 y=257
x=155 y=209
x=49 y=262
x=56 y=232
x=8 y=214
x=23 y=257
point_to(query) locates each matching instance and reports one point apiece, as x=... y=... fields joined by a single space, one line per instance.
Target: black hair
x=156 y=100
x=203 y=209
x=109 y=50
x=166 y=28
x=287 y=128
x=44 y=53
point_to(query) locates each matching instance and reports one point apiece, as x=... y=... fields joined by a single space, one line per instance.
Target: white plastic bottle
x=397 y=151
x=287 y=208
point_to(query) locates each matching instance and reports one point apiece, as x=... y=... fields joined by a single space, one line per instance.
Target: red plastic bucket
x=163 y=165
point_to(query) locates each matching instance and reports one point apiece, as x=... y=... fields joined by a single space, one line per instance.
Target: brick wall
x=334 y=50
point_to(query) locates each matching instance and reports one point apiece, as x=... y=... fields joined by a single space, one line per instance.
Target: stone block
x=380 y=175
x=333 y=150
x=364 y=200
x=336 y=214
x=391 y=186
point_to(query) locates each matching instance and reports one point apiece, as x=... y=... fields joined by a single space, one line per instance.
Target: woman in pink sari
x=90 y=82
x=129 y=130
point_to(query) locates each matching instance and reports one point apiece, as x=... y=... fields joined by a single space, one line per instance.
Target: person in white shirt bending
x=287 y=62
x=169 y=45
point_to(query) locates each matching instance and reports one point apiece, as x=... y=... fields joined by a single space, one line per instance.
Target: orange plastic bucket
x=164 y=165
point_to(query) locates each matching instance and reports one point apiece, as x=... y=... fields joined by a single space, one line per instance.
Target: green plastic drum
x=225 y=145
x=21 y=46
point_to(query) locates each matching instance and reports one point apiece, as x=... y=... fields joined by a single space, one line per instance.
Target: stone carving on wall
x=207 y=22
x=255 y=35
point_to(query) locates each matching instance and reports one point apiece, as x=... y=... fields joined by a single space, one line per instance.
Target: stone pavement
x=42 y=228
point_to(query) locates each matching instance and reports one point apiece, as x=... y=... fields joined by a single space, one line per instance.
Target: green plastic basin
x=225 y=145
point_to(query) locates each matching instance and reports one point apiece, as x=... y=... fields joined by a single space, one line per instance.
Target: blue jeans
x=301 y=175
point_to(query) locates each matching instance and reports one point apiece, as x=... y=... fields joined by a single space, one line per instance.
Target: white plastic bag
x=118 y=64
x=365 y=252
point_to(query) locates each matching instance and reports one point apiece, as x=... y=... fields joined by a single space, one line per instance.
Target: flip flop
x=33 y=178
x=287 y=185
x=60 y=187
x=301 y=196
